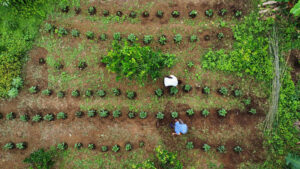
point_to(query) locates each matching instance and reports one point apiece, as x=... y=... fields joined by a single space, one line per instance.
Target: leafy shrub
x=223 y=91
x=238 y=13
x=206 y=147
x=104 y=148
x=91 y=146
x=9 y=146
x=174 y=115
x=128 y=147
x=21 y=146
x=205 y=113
x=160 y=115
x=116 y=92
x=247 y=101
x=209 y=12
x=131 y=115
x=222 y=12
x=103 y=37
x=62 y=146
x=91 y=113
x=61 y=115
x=167 y=160
x=131 y=94
x=189 y=145
x=173 y=90
x=37 y=118
x=117 y=36
x=24 y=117
x=238 y=149
x=116 y=113
x=92 y=10
x=105 y=12
x=221 y=149
x=41 y=159
x=141 y=143
x=193 y=38
x=206 y=90
x=13 y=93
x=132 y=14
x=220 y=35
x=190 y=64
x=252 y=111
x=49 y=27
x=103 y=113
x=47 y=92
x=222 y=112
x=162 y=40
x=75 y=93
x=132 y=38
x=75 y=33
x=17 y=82
x=143 y=114
x=119 y=13
x=11 y=116
x=159 y=14
x=187 y=88
x=60 y=94
x=101 y=93
x=238 y=93
x=88 y=93
x=78 y=114
x=62 y=31
x=115 y=148
x=136 y=62
x=193 y=13
x=148 y=39
x=48 y=117
x=146 y=14
x=177 y=38
x=90 y=35
x=175 y=14
x=159 y=92
x=78 y=145
x=190 y=112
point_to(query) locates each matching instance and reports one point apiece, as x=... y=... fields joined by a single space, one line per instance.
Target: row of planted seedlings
x=132 y=38
x=159 y=13
x=12 y=145
x=221 y=149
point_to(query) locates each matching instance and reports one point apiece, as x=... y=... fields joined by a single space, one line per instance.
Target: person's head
x=176 y=120
x=180 y=121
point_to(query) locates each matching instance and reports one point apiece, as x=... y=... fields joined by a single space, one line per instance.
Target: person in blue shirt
x=179 y=127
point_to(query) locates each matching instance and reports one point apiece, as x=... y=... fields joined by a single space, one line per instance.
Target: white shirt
x=171 y=81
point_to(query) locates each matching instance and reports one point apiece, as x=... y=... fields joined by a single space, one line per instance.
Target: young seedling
x=78 y=145
x=252 y=111
x=222 y=112
x=159 y=92
x=173 y=90
x=205 y=113
x=103 y=37
x=48 y=117
x=92 y=10
x=247 y=101
x=62 y=32
x=193 y=38
x=206 y=147
x=103 y=113
x=143 y=114
x=193 y=13
x=190 y=112
x=187 y=88
x=104 y=148
x=119 y=13
x=223 y=12
x=49 y=27
x=90 y=35
x=10 y=116
x=75 y=93
x=162 y=40
x=174 y=115
x=175 y=14
x=177 y=38
x=58 y=65
x=33 y=89
x=131 y=115
x=220 y=36
x=101 y=93
x=159 y=14
x=79 y=114
x=128 y=147
x=190 y=64
x=115 y=148
x=189 y=145
x=62 y=146
x=132 y=38
x=117 y=36
x=221 y=149
x=91 y=113
x=146 y=14
x=21 y=146
x=42 y=61
x=105 y=13
x=75 y=33
x=132 y=14
x=116 y=113
x=116 y=92
x=238 y=149
x=61 y=115
x=47 y=92
x=147 y=39
x=141 y=143
x=131 y=94
x=91 y=146
x=24 y=117
x=209 y=13
x=223 y=91
x=238 y=13
x=37 y=118
x=89 y=93
x=60 y=94
x=9 y=146
x=160 y=115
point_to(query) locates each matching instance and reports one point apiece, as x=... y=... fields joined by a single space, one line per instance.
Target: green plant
x=116 y=92
x=58 y=65
x=292 y=161
x=160 y=115
x=189 y=145
x=174 y=114
x=117 y=36
x=119 y=13
x=128 y=147
x=148 y=39
x=131 y=94
x=131 y=115
x=21 y=146
x=193 y=38
x=222 y=24
x=24 y=117
x=141 y=143
x=143 y=114
x=247 y=101
x=92 y=10
x=103 y=113
x=82 y=65
x=296 y=9
x=252 y=111
x=101 y=93
x=9 y=146
x=177 y=38
x=132 y=14
x=47 y=92
x=78 y=145
x=132 y=38
x=193 y=13
x=62 y=146
x=78 y=114
x=103 y=37
x=205 y=113
x=223 y=12
x=42 y=61
x=187 y=88
x=190 y=112
x=48 y=117
x=206 y=90
x=209 y=12
x=10 y=116
x=159 y=92
x=222 y=112
x=238 y=93
x=173 y=90
x=190 y=64
x=62 y=31
x=220 y=35
x=223 y=91
x=238 y=13
x=91 y=113
x=167 y=160
x=221 y=149
x=61 y=115
x=116 y=113
x=238 y=149
x=105 y=12
x=88 y=93
x=75 y=93
x=159 y=14
x=17 y=82
x=206 y=147
x=75 y=33
x=175 y=14
x=37 y=118
x=115 y=148
x=33 y=89
x=104 y=148
x=90 y=35
x=60 y=94
x=146 y=14
x=41 y=159
x=13 y=93
x=91 y=146
x=49 y=27
x=162 y=40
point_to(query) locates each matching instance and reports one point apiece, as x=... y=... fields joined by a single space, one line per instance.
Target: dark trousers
x=172 y=125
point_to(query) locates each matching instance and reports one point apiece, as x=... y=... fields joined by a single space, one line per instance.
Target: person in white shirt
x=170 y=81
